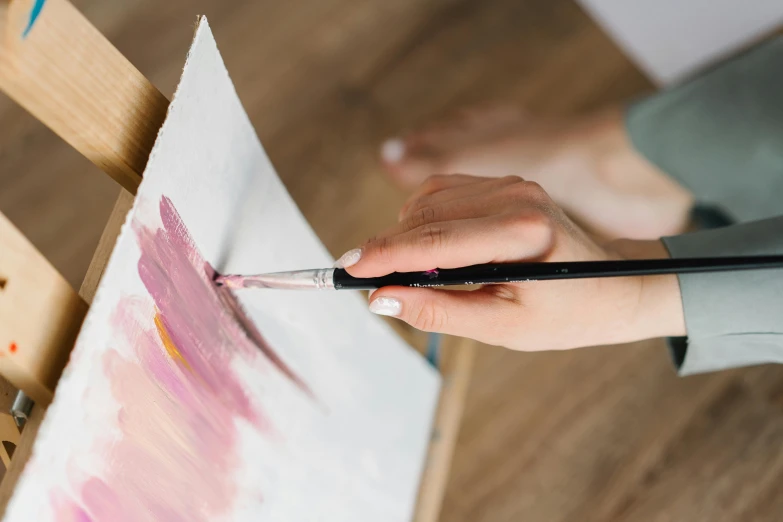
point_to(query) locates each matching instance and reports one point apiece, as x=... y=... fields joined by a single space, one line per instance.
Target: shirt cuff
x=732 y=319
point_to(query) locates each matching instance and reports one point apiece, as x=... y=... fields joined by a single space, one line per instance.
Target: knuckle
x=416 y=205
x=534 y=187
x=534 y=226
x=405 y=210
x=529 y=190
x=539 y=221
x=435 y=182
x=512 y=179
x=381 y=249
x=429 y=317
x=530 y=221
x=536 y=192
x=432 y=237
x=542 y=232
x=422 y=217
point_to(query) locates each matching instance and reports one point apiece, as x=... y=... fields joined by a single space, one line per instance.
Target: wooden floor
x=606 y=434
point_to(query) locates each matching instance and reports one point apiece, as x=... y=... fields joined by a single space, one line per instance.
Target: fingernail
x=393 y=150
x=386 y=306
x=350 y=258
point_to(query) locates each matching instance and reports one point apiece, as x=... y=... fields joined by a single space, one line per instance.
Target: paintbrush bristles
x=231 y=281
x=318 y=279
x=237 y=282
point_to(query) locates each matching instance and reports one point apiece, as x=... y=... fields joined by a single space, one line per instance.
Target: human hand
x=455 y=221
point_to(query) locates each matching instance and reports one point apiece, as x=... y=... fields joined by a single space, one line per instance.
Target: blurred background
x=598 y=434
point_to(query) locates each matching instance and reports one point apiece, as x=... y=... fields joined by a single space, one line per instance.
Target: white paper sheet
x=209 y=427
x=671 y=39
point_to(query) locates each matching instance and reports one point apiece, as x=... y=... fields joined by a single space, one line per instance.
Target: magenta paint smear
x=180 y=398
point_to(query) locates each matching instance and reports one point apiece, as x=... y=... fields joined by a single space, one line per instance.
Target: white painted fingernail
x=386 y=306
x=393 y=150
x=350 y=258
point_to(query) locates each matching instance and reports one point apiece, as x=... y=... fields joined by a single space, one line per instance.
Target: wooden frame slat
x=40 y=316
x=66 y=74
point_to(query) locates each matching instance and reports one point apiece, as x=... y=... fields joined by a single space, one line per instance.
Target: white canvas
x=671 y=39
x=174 y=409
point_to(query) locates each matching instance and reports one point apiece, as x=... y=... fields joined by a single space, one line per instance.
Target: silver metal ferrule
x=318 y=279
x=21 y=408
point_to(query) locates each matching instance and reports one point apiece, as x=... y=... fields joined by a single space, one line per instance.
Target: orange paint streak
x=12 y=348
x=165 y=338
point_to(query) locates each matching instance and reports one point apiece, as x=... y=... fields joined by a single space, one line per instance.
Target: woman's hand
x=456 y=221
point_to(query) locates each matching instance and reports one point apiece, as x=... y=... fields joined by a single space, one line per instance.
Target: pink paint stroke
x=177 y=457
x=68 y=511
x=193 y=300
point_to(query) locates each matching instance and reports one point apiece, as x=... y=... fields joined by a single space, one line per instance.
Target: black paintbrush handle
x=519 y=272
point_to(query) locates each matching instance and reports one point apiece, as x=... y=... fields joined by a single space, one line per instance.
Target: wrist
x=638 y=249
x=659 y=310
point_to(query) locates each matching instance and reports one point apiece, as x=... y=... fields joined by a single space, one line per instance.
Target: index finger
x=454 y=244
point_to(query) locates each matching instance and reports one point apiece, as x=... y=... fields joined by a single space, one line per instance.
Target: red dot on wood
x=12 y=348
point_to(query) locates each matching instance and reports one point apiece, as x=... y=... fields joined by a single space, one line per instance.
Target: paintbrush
x=495 y=273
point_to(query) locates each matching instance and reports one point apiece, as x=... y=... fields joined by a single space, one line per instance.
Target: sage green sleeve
x=732 y=318
x=720 y=135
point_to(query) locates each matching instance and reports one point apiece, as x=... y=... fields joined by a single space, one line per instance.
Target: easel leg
x=9 y=433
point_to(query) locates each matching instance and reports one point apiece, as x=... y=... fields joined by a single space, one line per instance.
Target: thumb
x=476 y=314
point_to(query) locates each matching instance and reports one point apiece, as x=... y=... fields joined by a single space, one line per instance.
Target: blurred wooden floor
x=606 y=434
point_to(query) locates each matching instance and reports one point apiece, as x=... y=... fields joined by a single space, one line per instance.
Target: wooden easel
x=64 y=72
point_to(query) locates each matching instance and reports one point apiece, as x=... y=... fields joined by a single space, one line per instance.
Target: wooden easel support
x=55 y=64
x=66 y=74
x=37 y=308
